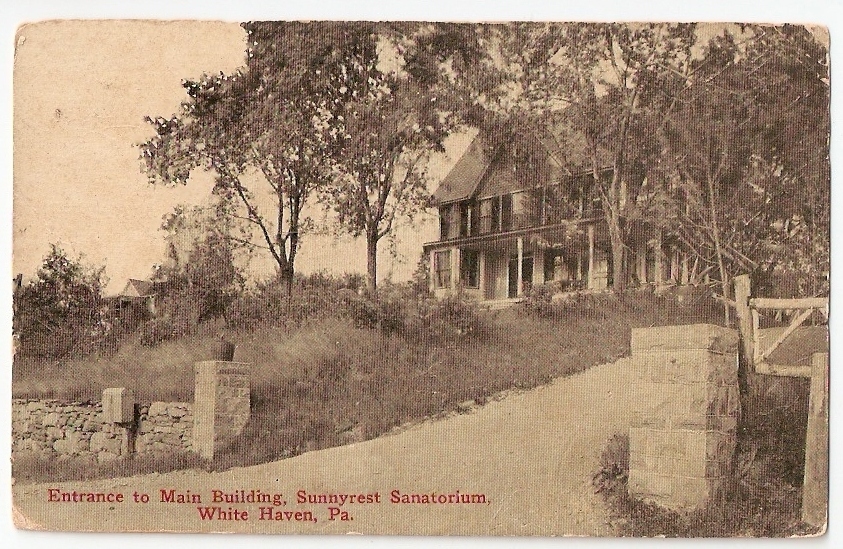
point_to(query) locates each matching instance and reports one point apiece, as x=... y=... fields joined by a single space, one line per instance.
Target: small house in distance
x=526 y=212
x=136 y=295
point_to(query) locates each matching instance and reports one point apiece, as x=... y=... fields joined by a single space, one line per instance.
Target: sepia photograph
x=421 y=278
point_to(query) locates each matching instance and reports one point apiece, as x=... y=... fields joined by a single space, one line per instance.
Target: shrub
x=614 y=466
x=452 y=317
x=539 y=299
x=246 y=311
x=155 y=331
x=638 y=306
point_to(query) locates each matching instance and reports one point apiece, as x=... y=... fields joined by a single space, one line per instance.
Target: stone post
x=682 y=440
x=221 y=404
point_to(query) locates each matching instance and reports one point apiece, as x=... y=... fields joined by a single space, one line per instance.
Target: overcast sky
x=81 y=90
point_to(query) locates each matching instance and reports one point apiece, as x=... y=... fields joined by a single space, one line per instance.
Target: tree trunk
x=718 y=249
x=618 y=263
x=372 y=264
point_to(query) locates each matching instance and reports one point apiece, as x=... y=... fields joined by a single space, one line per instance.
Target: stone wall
x=52 y=428
x=165 y=427
x=682 y=440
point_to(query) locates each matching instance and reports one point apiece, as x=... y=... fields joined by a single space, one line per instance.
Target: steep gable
x=463 y=179
x=136 y=288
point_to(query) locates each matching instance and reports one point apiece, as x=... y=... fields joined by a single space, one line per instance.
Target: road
x=528 y=458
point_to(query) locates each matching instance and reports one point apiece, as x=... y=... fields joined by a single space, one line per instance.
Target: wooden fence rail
x=758 y=352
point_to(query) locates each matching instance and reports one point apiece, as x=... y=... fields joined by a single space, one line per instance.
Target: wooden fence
x=760 y=347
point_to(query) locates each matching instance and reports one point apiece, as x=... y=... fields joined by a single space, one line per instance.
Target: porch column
x=590 y=284
x=538 y=266
x=520 y=266
x=432 y=270
x=455 y=269
x=674 y=264
x=641 y=260
x=658 y=275
x=481 y=268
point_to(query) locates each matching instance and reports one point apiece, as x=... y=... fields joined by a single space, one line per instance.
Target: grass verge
x=761 y=504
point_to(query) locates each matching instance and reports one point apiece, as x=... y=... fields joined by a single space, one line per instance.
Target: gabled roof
x=490 y=173
x=570 y=150
x=462 y=180
x=136 y=288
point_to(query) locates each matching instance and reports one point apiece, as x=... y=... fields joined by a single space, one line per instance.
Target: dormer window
x=449 y=222
x=468 y=219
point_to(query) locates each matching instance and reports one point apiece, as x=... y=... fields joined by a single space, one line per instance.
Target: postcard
x=421 y=278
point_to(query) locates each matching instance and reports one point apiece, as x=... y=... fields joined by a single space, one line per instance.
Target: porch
x=574 y=256
x=503 y=267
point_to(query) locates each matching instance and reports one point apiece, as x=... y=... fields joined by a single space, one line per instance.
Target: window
x=524 y=205
x=454 y=226
x=506 y=212
x=442 y=269
x=449 y=222
x=444 y=222
x=468 y=219
x=486 y=216
x=470 y=268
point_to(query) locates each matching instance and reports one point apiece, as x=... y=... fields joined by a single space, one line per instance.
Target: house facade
x=517 y=215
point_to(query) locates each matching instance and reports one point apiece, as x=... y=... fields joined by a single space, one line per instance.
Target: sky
x=81 y=91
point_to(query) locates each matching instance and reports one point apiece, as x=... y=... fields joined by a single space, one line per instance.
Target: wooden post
x=743 y=289
x=520 y=266
x=590 y=283
x=815 y=485
x=481 y=275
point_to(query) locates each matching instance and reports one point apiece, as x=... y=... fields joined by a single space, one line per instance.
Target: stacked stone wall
x=683 y=438
x=53 y=428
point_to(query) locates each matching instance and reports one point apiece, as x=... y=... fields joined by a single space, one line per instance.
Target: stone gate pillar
x=221 y=404
x=682 y=439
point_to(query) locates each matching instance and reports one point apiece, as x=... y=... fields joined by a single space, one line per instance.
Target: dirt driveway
x=527 y=460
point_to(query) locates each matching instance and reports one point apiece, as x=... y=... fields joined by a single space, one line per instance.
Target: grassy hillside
x=330 y=381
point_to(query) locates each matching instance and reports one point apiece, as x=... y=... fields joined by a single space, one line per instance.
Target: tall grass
x=760 y=504
x=334 y=380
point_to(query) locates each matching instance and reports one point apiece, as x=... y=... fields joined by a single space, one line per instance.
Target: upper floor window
x=506 y=212
x=468 y=219
x=449 y=222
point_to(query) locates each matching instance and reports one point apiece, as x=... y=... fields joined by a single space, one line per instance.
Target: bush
x=639 y=306
x=614 y=466
x=539 y=300
x=155 y=331
x=453 y=316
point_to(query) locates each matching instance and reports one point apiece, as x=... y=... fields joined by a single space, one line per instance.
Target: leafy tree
x=268 y=124
x=59 y=313
x=748 y=197
x=603 y=90
x=621 y=83
x=788 y=67
x=390 y=125
x=201 y=270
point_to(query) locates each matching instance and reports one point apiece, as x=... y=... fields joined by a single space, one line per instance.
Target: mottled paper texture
x=516 y=279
